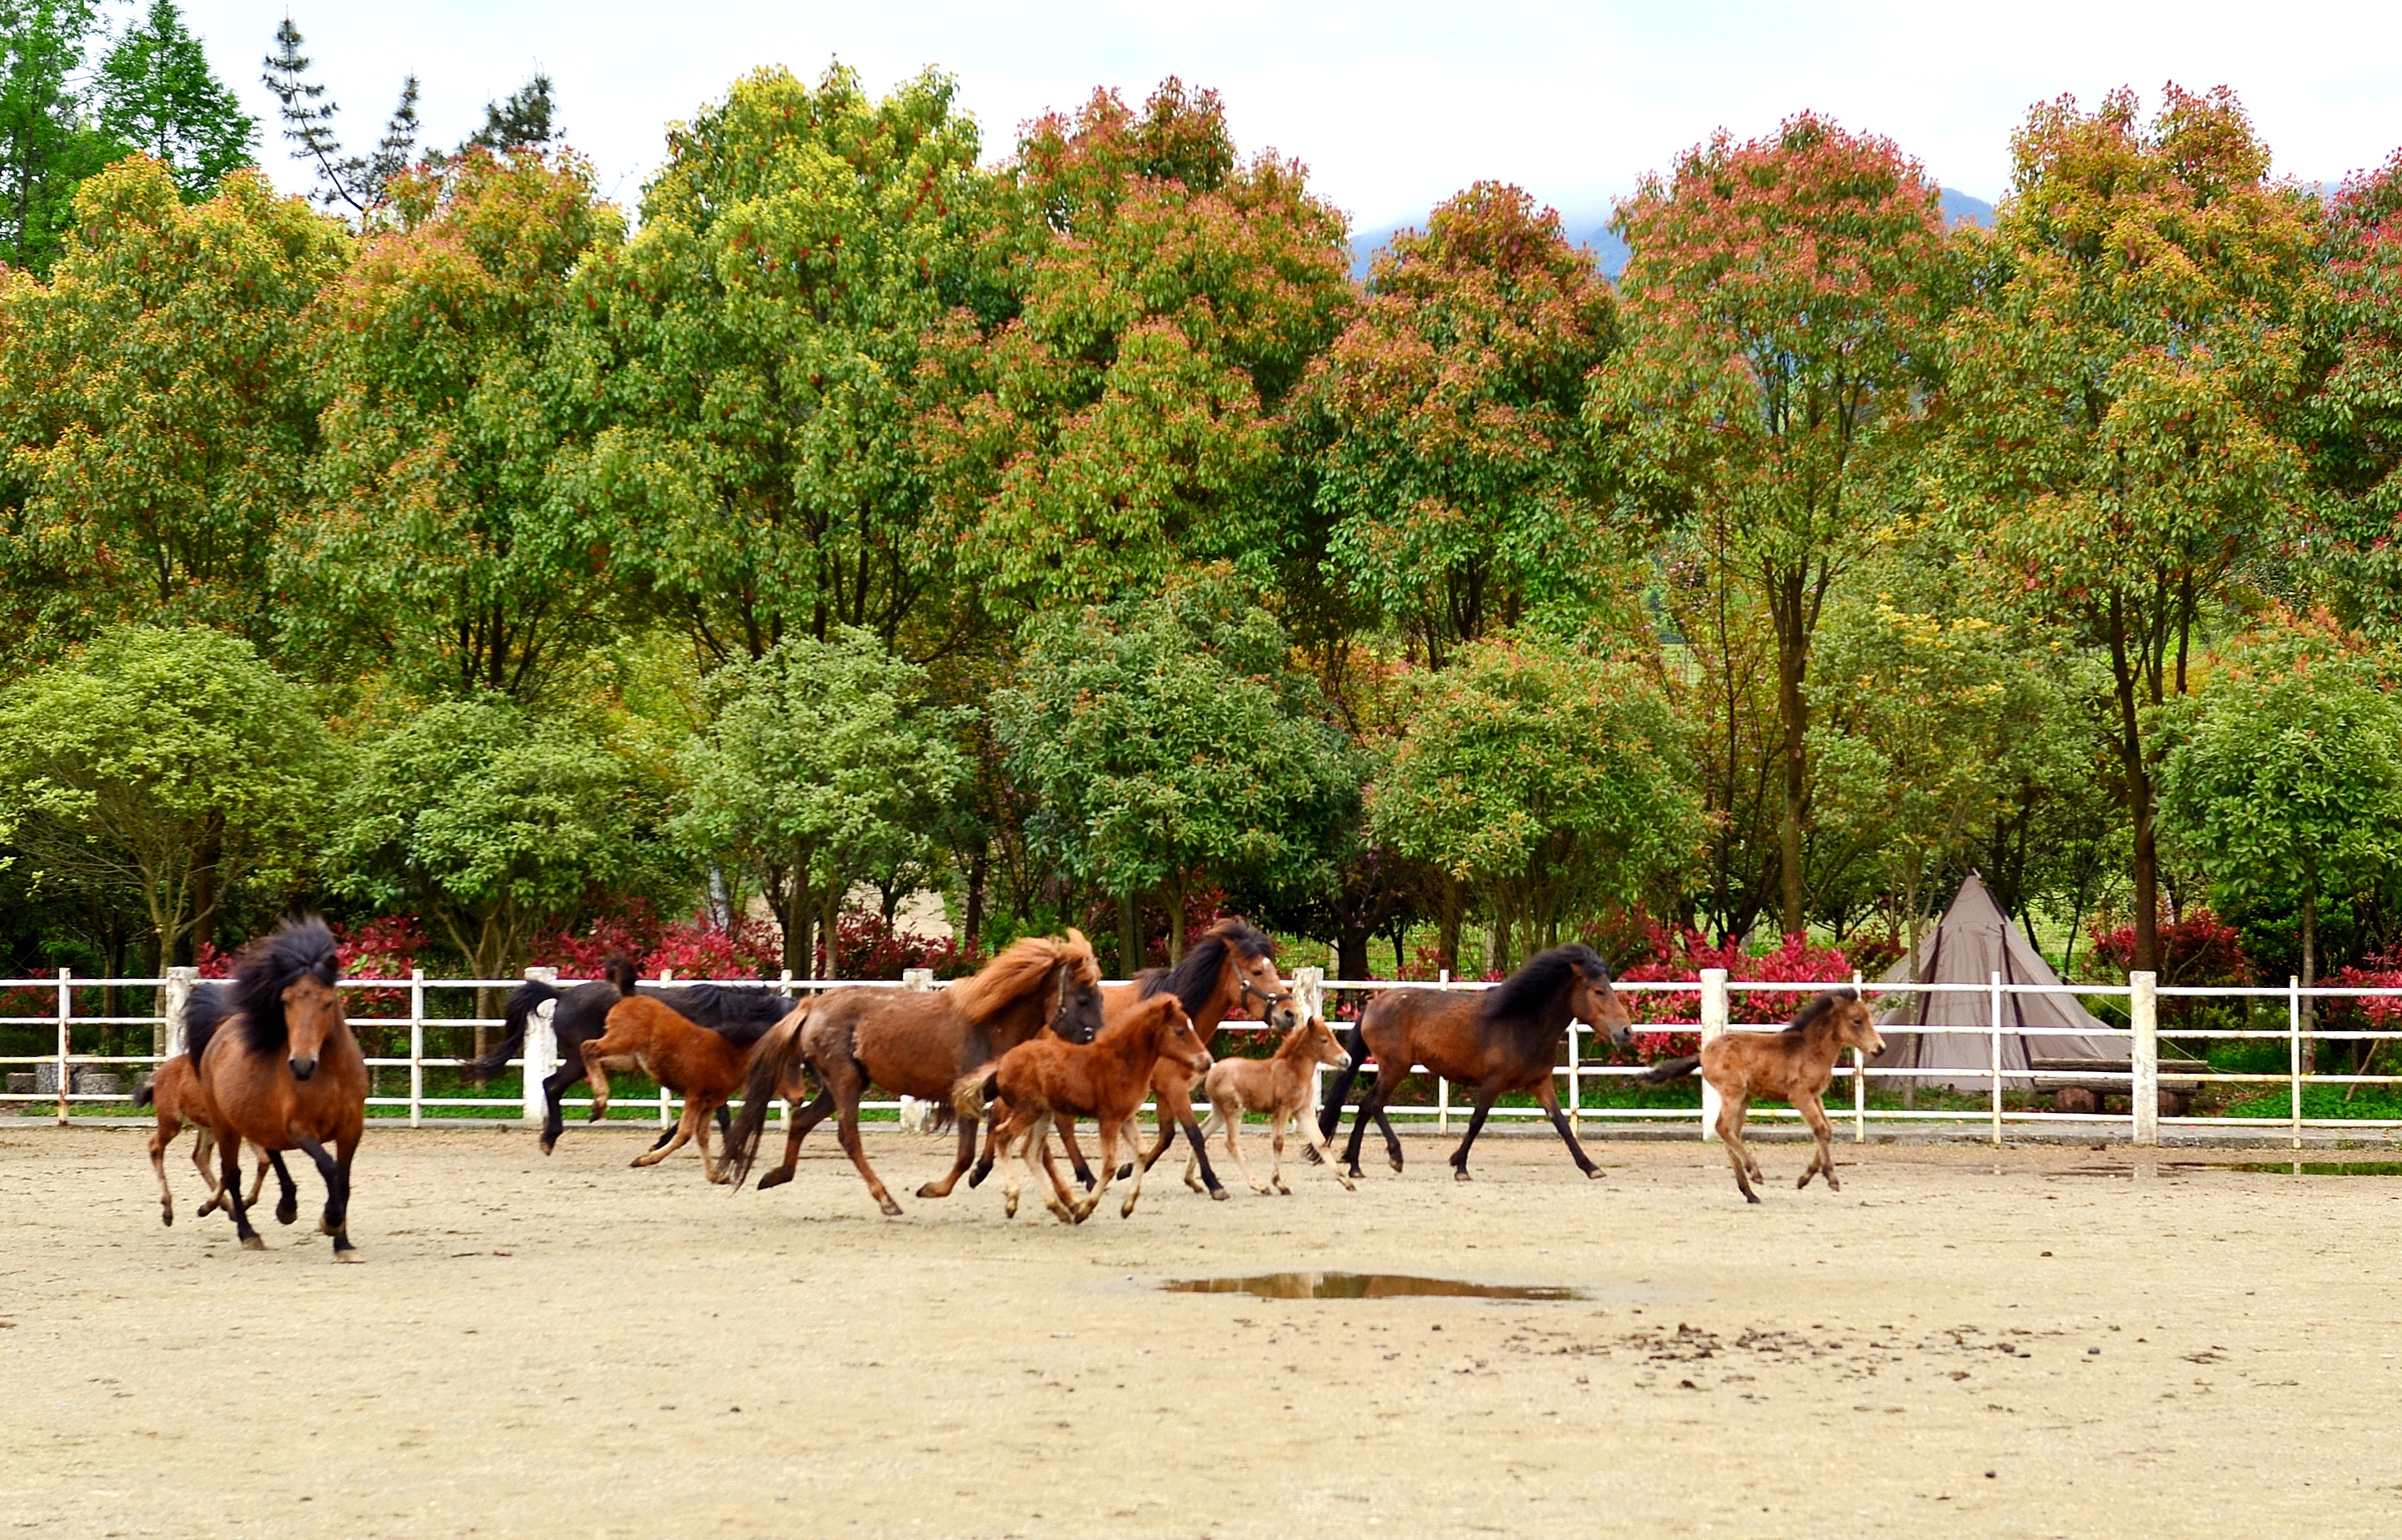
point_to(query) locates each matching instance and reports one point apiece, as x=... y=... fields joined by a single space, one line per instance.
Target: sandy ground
x=2002 y=1345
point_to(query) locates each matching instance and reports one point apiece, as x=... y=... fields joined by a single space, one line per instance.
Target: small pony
x=703 y=1065
x=1107 y=1079
x=174 y=1090
x=1281 y=1086
x=1794 y=1066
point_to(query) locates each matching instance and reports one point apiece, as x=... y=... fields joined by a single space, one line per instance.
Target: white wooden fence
x=59 y=1072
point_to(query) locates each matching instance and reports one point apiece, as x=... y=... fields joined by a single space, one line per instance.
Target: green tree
x=360 y=183
x=759 y=340
x=821 y=764
x=2286 y=779
x=47 y=141
x=156 y=93
x=2113 y=439
x=448 y=536
x=2351 y=421
x=1546 y=782
x=168 y=766
x=156 y=409
x=1459 y=494
x=498 y=825
x=1170 y=745
x=1126 y=414
x=1779 y=307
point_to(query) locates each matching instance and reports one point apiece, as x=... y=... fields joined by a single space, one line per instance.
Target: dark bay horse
x=1503 y=1040
x=279 y=1067
x=1107 y=1079
x=582 y=1015
x=1795 y=1065
x=1231 y=967
x=913 y=1043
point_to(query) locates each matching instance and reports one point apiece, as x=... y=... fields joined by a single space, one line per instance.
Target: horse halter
x=1273 y=1000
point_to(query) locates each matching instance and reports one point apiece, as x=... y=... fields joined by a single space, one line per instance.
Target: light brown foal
x=175 y=1092
x=1280 y=1086
x=1796 y=1066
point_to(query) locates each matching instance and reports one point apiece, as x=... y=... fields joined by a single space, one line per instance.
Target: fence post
x=417 y=1048
x=784 y=1109
x=2144 y=1015
x=667 y=1103
x=66 y=1016
x=918 y=1117
x=2294 y=1039
x=541 y=1051
x=1859 y=1080
x=1997 y=1059
x=1309 y=993
x=1576 y=1085
x=171 y=1039
x=1715 y=1015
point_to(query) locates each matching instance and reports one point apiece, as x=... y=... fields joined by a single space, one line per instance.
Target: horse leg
x=554 y=1094
x=717 y=1173
x=159 y=1140
x=1233 y=1117
x=1814 y=1113
x=846 y=1130
x=257 y=1176
x=336 y=1174
x=287 y=1204
x=1324 y=1156
x=1067 y=1126
x=1485 y=1100
x=674 y=1139
x=1091 y=1200
x=1547 y=1096
x=1730 y=1110
x=1330 y=1117
x=960 y=1160
x=1276 y=1117
x=1133 y=1136
x=798 y=1129
x=1371 y=1104
x=229 y=1188
x=597 y=1073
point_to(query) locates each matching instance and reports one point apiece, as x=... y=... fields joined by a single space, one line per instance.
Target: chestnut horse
x=174 y=1091
x=583 y=1013
x=1795 y=1065
x=1279 y=1086
x=914 y=1043
x=282 y=1070
x=705 y=1065
x=1506 y=1039
x=1233 y=965
x=1105 y=1079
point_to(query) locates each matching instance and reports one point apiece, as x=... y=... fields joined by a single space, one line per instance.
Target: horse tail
x=147 y=1092
x=770 y=1063
x=1671 y=1070
x=530 y=996
x=974 y=1093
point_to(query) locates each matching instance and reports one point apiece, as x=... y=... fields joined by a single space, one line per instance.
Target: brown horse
x=1506 y=1039
x=174 y=1091
x=1279 y=1086
x=914 y=1043
x=1796 y=1064
x=1233 y=965
x=1105 y=1079
x=280 y=1069
x=705 y=1065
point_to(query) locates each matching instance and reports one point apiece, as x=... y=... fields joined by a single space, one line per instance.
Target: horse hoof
x=892 y=1210
x=1356 y=1173
x=975 y=1177
x=1195 y=1184
x=1125 y=1172
x=349 y=1254
x=167 y=1216
x=1126 y=1210
x=1397 y=1169
x=1217 y=1194
x=254 y=1242
x=1593 y=1173
x=927 y=1190
x=286 y=1213
x=1311 y=1157
x=775 y=1179
x=1460 y=1173
x=1346 y=1182
x=1751 y=1197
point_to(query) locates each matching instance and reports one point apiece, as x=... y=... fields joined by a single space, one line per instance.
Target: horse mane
x=619 y=971
x=264 y=969
x=1021 y=970
x=739 y=1015
x=1528 y=992
x=204 y=1009
x=1811 y=1014
x=1195 y=978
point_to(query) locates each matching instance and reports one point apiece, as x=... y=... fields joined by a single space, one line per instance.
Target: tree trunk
x=2310 y=977
x=1351 y=952
x=1793 y=717
x=2146 y=867
x=976 y=870
x=799 y=954
x=1447 y=936
x=1174 y=893
x=1129 y=938
x=830 y=930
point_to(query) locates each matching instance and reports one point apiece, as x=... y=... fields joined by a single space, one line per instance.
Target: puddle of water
x=2274 y=1168
x=1364 y=1285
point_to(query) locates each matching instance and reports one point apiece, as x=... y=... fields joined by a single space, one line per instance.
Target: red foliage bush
x=1680 y=955
x=867 y=948
x=699 y=948
x=2200 y=949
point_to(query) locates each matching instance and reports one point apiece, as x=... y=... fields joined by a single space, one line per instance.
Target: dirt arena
x=1959 y=1342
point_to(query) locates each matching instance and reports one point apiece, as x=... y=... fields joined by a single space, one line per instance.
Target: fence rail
x=67 y=1069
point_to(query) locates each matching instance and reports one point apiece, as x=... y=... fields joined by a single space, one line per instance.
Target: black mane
x=1195 y=978
x=740 y=1015
x=1533 y=990
x=1820 y=1005
x=254 y=996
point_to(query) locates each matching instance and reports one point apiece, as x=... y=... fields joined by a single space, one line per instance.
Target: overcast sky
x=1393 y=105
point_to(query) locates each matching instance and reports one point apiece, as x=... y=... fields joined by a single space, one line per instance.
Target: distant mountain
x=1611 y=253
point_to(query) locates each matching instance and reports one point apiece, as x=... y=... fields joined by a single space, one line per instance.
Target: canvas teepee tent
x=1972 y=942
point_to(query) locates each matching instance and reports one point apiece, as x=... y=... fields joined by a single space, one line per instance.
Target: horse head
x=1178 y=1040
x=1596 y=1003
x=1854 y=1026
x=1076 y=1004
x=1320 y=1044
x=312 y=1017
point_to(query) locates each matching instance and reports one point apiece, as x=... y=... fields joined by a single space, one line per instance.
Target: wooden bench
x=2075 y=1085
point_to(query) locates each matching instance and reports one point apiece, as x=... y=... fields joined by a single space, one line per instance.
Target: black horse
x=582 y=1015
x=1504 y=1039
